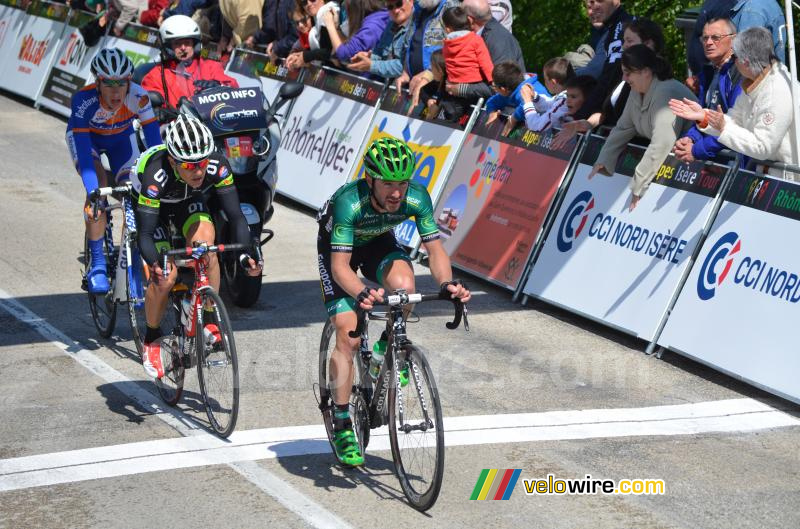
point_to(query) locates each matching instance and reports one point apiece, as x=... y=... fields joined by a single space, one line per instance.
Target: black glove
x=205 y=84
x=446 y=294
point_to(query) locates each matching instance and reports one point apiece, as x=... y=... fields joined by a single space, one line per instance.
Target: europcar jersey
x=352 y=221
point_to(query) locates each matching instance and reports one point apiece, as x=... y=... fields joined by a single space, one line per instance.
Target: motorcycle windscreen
x=226 y=109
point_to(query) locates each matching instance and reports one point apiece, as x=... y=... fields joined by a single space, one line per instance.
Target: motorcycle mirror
x=261 y=146
x=156 y=99
x=290 y=90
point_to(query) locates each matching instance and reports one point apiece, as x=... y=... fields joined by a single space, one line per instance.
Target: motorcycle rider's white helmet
x=188 y=139
x=179 y=27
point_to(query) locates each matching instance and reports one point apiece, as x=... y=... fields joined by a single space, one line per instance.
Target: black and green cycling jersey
x=352 y=221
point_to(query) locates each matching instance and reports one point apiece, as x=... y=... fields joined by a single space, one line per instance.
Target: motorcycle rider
x=182 y=72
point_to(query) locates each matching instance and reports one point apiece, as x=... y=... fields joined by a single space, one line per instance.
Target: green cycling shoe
x=403 y=374
x=347 y=450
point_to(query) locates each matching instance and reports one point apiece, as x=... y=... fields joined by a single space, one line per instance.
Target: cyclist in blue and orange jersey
x=102 y=122
x=356 y=231
x=172 y=180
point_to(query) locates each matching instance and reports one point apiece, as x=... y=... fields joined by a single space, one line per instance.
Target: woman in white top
x=760 y=123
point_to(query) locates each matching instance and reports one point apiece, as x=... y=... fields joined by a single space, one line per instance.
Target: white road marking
x=735 y=415
x=295 y=501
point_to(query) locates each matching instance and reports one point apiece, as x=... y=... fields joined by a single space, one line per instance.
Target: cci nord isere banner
x=323 y=134
x=621 y=267
x=435 y=145
x=739 y=310
x=496 y=199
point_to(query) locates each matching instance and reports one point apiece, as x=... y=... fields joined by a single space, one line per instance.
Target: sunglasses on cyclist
x=202 y=164
x=113 y=83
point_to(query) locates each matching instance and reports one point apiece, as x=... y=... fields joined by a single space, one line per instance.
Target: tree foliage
x=550 y=28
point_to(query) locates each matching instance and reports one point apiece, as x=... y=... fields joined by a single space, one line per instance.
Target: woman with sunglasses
x=170 y=181
x=101 y=121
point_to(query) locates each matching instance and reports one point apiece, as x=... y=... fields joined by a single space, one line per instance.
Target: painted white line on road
x=295 y=501
x=736 y=415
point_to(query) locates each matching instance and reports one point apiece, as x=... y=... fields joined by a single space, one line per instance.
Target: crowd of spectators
x=451 y=54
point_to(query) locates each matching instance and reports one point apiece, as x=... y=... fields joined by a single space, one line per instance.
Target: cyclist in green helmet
x=356 y=231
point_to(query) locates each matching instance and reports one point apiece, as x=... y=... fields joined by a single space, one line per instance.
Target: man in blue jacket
x=386 y=59
x=720 y=85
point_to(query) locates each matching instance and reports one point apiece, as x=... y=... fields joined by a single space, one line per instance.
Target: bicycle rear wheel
x=102 y=306
x=218 y=367
x=359 y=411
x=416 y=432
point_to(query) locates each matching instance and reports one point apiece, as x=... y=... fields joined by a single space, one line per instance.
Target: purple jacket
x=366 y=37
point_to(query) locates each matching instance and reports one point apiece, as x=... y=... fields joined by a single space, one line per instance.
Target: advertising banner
x=738 y=310
x=618 y=266
x=34 y=49
x=12 y=17
x=247 y=65
x=496 y=199
x=72 y=67
x=140 y=43
x=434 y=143
x=323 y=134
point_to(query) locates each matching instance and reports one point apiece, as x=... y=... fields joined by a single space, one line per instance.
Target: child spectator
x=507 y=82
x=542 y=112
x=303 y=23
x=438 y=69
x=466 y=56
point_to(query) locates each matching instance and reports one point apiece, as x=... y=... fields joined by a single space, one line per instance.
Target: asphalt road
x=86 y=442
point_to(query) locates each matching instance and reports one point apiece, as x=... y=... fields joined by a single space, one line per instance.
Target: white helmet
x=188 y=139
x=179 y=27
x=112 y=63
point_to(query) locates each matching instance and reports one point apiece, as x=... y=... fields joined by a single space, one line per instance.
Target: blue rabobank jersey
x=96 y=129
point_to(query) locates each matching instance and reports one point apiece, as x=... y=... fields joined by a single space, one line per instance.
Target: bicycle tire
x=359 y=410
x=218 y=369
x=170 y=386
x=102 y=306
x=418 y=453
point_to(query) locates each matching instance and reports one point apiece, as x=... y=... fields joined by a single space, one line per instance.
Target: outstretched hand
x=687 y=109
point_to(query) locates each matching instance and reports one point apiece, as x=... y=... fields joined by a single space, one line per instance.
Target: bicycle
x=414 y=416
x=217 y=363
x=123 y=262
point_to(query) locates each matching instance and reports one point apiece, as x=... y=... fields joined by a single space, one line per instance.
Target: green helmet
x=389 y=159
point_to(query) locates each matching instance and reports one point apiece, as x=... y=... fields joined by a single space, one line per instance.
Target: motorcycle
x=247 y=132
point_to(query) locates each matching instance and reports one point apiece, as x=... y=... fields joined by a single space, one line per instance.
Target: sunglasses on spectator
x=308 y=1
x=202 y=164
x=112 y=83
x=714 y=38
x=299 y=21
x=391 y=6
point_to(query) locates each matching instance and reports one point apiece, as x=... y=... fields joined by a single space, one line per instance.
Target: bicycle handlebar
x=116 y=192
x=196 y=252
x=394 y=300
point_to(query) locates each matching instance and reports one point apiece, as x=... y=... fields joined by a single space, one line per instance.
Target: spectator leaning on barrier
x=502 y=46
x=320 y=47
x=278 y=32
x=719 y=84
x=542 y=112
x=182 y=72
x=760 y=123
x=637 y=31
x=386 y=59
x=507 y=82
x=150 y=16
x=367 y=19
x=646 y=114
x=303 y=23
x=129 y=11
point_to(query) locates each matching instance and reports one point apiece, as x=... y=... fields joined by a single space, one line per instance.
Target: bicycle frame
x=201 y=283
x=128 y=253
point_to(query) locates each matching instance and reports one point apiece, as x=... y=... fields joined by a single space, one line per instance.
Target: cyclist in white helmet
x=182 y=71
x=171 y=180
x=101 y=121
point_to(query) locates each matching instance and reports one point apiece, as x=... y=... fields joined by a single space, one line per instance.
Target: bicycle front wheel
x=102 y=306
x=217 y=366
x=136 y=287
x=416 y=432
